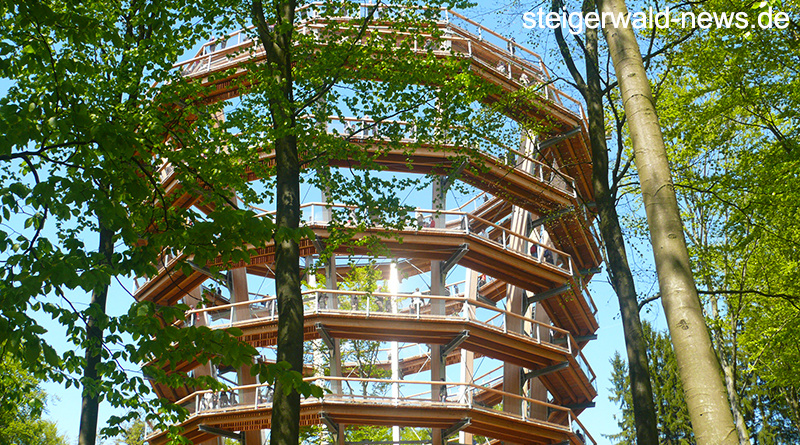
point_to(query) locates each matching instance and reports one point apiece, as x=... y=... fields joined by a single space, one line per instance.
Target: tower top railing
x=515 y=61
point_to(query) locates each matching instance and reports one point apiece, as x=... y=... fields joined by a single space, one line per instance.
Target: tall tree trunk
x=619 y=270
x=87 y=431
x=277 y=43
x=730 y=379
x=644 y=411
x=699 y=369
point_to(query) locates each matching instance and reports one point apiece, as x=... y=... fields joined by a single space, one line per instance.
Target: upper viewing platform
x=492 y=57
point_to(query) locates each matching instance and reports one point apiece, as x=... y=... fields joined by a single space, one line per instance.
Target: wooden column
x=512 y=374
x=193 y=298
x=239 y=293
x=537 y=390
x=468 y=357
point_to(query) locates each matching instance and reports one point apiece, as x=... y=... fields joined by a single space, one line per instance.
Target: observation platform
x=234 y=56
x=482 y=241
x=249 y=407
x=539 y=188
x=486 y=251
x=361 y=316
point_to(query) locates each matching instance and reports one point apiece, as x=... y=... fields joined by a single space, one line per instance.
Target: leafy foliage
x=21 y=408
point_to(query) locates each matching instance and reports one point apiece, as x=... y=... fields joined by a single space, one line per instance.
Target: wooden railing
x=400 y=305
x=515 y=61
x=446 y=395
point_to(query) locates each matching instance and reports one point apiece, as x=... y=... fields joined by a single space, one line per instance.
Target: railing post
x=368 y=304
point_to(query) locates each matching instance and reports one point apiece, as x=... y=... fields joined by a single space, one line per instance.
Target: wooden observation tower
x=524 y=254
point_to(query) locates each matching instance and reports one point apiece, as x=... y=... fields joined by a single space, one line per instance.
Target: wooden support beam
x=448 y=181
x=485 y=300
x=551 y=216
x=453 y=260
x=592 y=271
x=458 y=426
x=580 y=406
x=579 y=339
x=318 y=244
x=545 y=295
x=556 y=139
x=332 y=426
x=214 y=276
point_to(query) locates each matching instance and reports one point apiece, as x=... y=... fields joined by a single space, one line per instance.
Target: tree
x=92 y=113
x=22 y=407
x=734 y=145
x=605 y=195
x=698 y=364
x=133 y=434
x=296 y=80
x=674 y=426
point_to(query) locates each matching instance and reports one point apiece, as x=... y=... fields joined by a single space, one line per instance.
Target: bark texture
x=698 y=366
x=277 y=43
x=87 y=431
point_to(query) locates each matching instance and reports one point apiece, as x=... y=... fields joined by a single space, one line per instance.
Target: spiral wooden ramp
x=500 y=244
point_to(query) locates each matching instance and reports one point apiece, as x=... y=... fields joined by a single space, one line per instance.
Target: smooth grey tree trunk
x=698 y=366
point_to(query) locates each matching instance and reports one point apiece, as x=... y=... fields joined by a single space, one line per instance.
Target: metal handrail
x=316 y=308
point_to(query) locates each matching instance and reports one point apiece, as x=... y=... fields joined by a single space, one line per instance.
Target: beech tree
x=735 y=158
x=325 y=61
x=698 y=365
